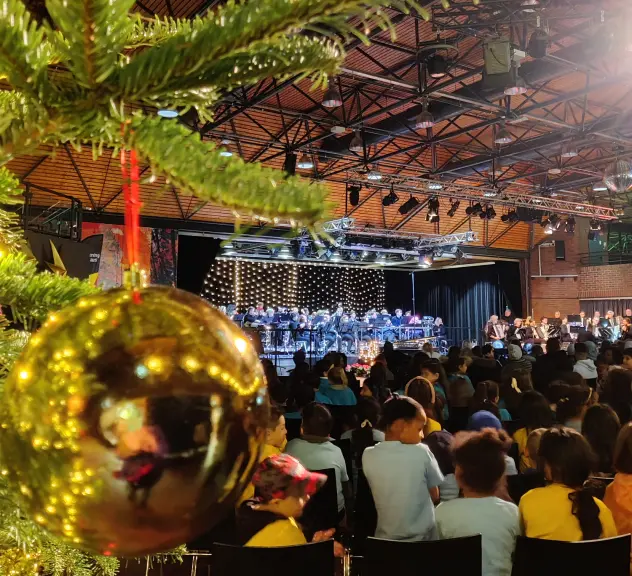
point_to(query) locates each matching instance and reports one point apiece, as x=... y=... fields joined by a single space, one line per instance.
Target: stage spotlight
x=569 y=225
x=357 y=144
x=595 y=225
x=354 y=194
x=426 y=260
x=437 y=66
x=474 y=210
x=409 y=205
x=454 y=206
x=285 y=253
x=549 y=228
x=381 y=259
x=433 y=207
x=390 y=199
x=504 y=218
x=555 y=221
x=491 y=213
x=365 y=254
x=332 y=97
x=335 y=256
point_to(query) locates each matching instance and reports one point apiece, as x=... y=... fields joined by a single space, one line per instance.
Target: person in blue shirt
x=334 y=389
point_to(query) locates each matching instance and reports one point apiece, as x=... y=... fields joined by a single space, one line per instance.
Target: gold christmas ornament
x=132 y=421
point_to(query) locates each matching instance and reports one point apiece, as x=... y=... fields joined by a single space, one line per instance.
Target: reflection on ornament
x=132 y=428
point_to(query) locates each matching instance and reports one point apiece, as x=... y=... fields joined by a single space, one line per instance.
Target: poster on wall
x=157 y=253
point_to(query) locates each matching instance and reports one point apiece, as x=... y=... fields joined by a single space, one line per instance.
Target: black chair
x=347 y=454
x=512 y=426
x=308 y=560
x=519 y=485
x=321 y=512
x=535 y=557
x=458 y=420
x=462 y=556
x=343 y=419
x=364 y=515
x=293 y=427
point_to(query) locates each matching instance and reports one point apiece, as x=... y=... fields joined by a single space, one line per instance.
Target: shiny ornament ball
x=132 y=421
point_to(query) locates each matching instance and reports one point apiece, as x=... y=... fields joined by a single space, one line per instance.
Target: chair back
x=347 y=454
x=462 y=556
x=315 y=559
x=293 y=427
x=520 y=484
x=321 y=512
x=343 y=419
x=535 y=557
x=364 y=514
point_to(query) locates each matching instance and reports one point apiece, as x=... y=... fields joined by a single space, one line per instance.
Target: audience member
x=531 y=450
x=570 y=403
x=482 y=420
x=403 y=474
x=375 y=386
x=565 y=510
x=480 y=467
x=486 y=397
x=316 y=452
x=278 y=390
x=601 y=427
x=457 y=368
x=440 y=444
x=484 y=367
x=432 y=370
x=584 y=365
x=381 y=359
x=422 y=391
x=512 y=388
x=627 y=355
x=430 y=351
x=535 y=413
x=617 y=393
x=618 y=496
x=516 y=363
x=549 y=366
x=334 y=389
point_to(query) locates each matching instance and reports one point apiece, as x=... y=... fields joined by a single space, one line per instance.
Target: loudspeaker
x=560 y=250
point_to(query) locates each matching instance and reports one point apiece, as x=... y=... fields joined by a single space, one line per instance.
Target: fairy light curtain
x=314 y=286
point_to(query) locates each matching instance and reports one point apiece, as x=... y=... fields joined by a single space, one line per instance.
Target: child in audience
x=601 y=427
x=282 y=489
x=483 y=419
x=440 y=444
x=432 y=370
x=571 y=403
x=315 y=451
x=334 y=389
x=403 y=474
x=480 y=467
x=531 y=450
x=618 y=496
x=585 y=366
x=535 y=412
x=276 y=434
x=565 y=510
x=486 y=398
x=422 y=391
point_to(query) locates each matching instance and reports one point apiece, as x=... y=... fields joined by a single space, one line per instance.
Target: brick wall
x=550 y=293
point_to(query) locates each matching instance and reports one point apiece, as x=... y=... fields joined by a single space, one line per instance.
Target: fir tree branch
x=24 y=54
x=197 y=168
x=95 y=33
x=235 y=27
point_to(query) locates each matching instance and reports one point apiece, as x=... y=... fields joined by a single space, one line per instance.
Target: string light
x=316 y=286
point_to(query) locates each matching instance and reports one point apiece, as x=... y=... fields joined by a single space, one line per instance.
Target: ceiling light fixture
x=356 y=145
x=424 y=119
x=503 y=136
x=454 y=206
x=332 y=97
x=409 y=205
x=225 y=149
x=599 y=187
x=435 y=186
x=426 y=260
x=305 y=162
x=516 y=86
x=569 y=150
x=437 y=66
x=374 y=175
x=390 y=199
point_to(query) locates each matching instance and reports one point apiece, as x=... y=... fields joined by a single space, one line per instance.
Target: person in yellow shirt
x=618 y=496
x=564 y=510
x=535 y=412
x=282 y=489
x=423 y=391
x=276 y=439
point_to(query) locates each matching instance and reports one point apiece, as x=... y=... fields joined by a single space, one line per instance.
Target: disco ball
x=618 y=177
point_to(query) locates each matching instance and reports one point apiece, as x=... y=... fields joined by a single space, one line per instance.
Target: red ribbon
x=131 y=192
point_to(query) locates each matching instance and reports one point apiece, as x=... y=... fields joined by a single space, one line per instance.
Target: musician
x=353 y=317
x=626 y=331
x=494 y=330
x=362 y=329
x=595 y=325
x=269 y=318
x=612 y=322
x=557 y=318
x=628 y=314
x=438 y=330
x=398 y=319
x=346 y=331
x=338 y=315
x=508 y=316
x=327 y=331
x=251 y=318
x=543 y=331
x=301 y=330
x=260 y=309
x=516 y=331
x=585 y=322
x=565 y=330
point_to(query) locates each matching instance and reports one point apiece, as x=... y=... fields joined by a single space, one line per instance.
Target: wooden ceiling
x=291 y=119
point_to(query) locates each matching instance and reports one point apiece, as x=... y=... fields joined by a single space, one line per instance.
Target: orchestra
x=343 y=330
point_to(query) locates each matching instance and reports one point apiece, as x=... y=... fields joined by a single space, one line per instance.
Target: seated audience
x=487 y=397
x=480 y=467
x=618 y=496
x=282 y=488
x=403 y=474
x=617 y=393
x=334 y=389
x=485 y=366
x=457 y=368
x=274 y=443
x=516 y=363
x=440 y=444
x=430 y=351
x=432 y=370
x=601 y=427
x=483 y=419
x=531 y=450
x=565 y=510
x=584 y=365
x=315 y=451
x=535 y=413
x=375 y=386
x=422 y=391
x=549 y=366
x=627 y=355
x=278 y=390
x=511 y=389
x=570 y=403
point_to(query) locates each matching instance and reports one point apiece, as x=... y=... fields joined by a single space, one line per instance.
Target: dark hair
x=552 y=345
x=454 y=352
x=570 y=400
x=416 y=364
x=421 y=390
x=399 y=408
x=512 y=397
x=322 y=366
x=454 y=364
x=581 y=348
x=317 y=420
x=535 y=411
x=481 y=458
x=571 y=461
x=601 y=427
x=618 y=393
x=476 y=351
x=484 y=398
x=367 y=415
x=487 y=349
x=275 y=415
x=622 y=460
x=434 y=366
x=536 y=350
x=440 y=444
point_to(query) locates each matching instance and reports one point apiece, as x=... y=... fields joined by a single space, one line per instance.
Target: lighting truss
x=340 y=225
x=420 y=240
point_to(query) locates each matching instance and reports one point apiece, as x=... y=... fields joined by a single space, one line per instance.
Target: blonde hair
x=337 y=376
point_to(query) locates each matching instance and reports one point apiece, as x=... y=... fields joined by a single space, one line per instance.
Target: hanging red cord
x=131 y=192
